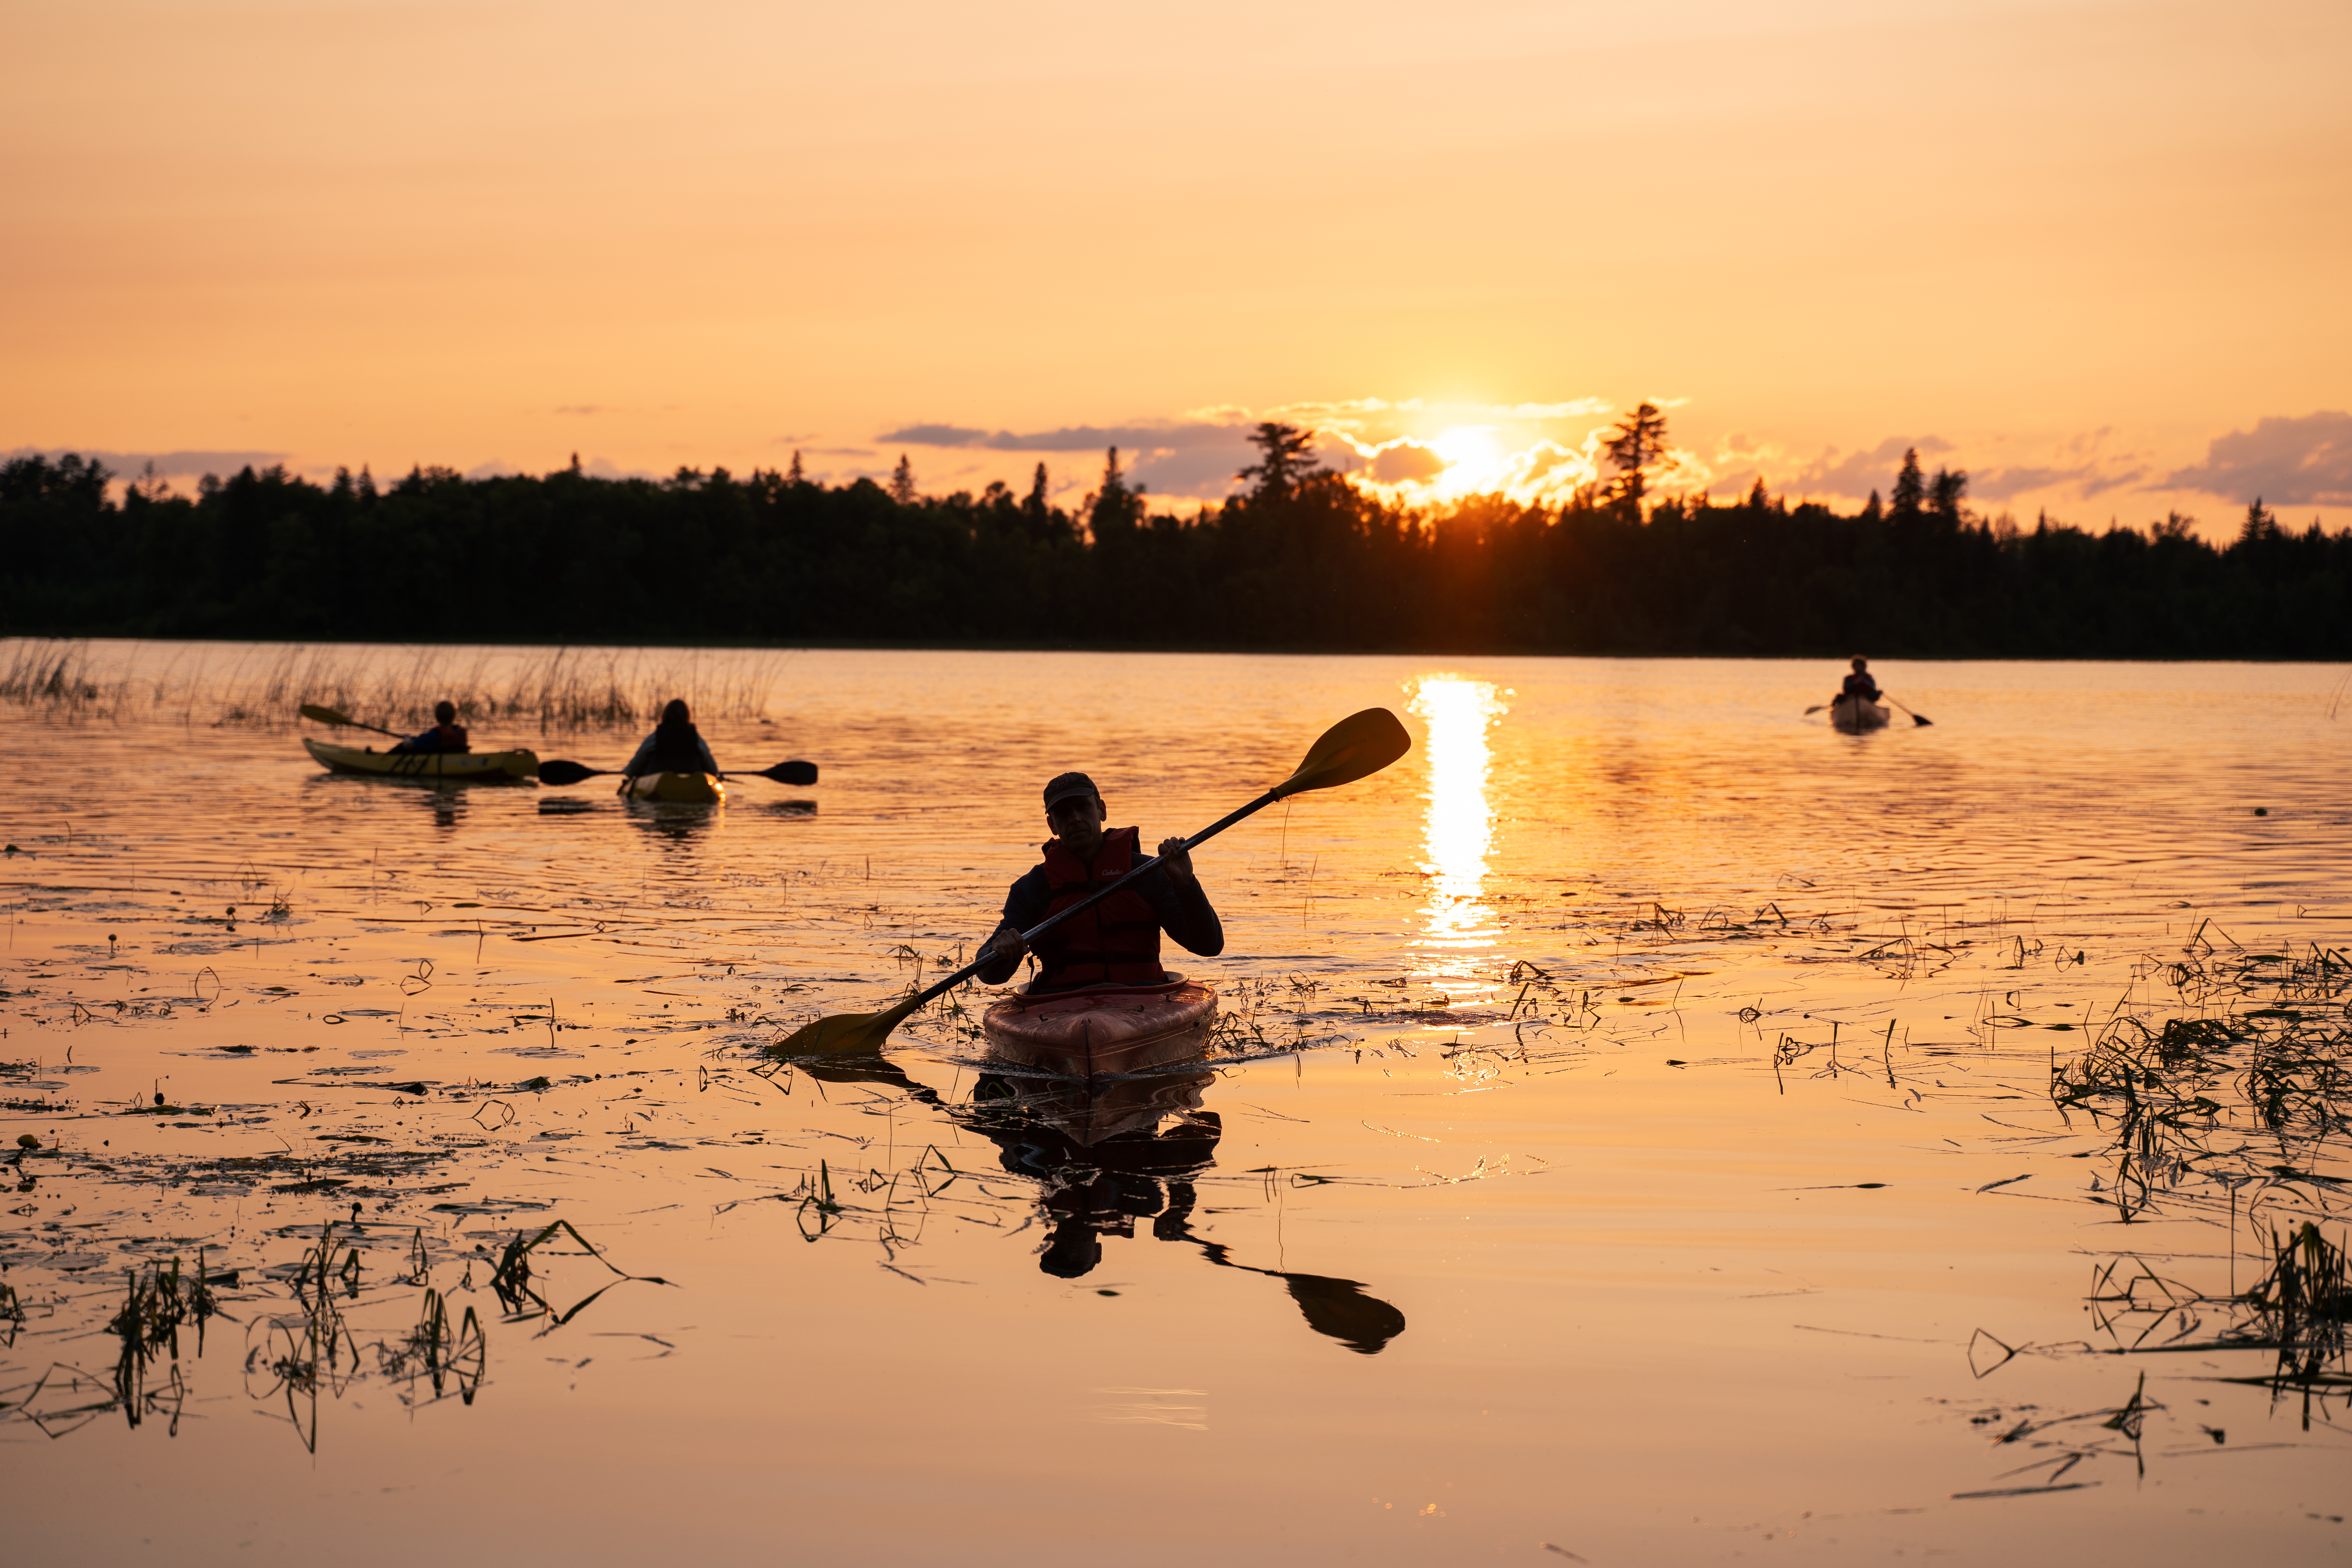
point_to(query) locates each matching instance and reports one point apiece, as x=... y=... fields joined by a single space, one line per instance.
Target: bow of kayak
x=676 y=789
x=1103 y=1029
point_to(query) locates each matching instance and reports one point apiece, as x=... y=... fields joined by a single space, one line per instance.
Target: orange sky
x=2066 y=246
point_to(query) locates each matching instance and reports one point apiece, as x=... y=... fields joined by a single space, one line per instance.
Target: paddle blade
x=560 y=771
x=1921 y=720
x=793 y=772
x=318 y=715
x=1355 y=747
x=844 y=1033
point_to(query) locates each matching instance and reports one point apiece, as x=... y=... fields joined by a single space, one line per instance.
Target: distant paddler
x=1117 y=941
x=1856 y=708
x=447 y=734
x=676 y=746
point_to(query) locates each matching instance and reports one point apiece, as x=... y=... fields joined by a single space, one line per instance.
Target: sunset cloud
x=1173 y=437
x=1405 y=448
x=2287 y=462
x=167 y=465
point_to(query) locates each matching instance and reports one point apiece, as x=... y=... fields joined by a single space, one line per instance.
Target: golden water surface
x=1631 y=1139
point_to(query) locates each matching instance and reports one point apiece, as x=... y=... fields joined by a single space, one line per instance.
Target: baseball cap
x=1064 y=785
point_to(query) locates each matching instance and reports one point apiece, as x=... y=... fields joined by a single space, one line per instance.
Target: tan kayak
x=1103 y=1029
x=676 y=789
x=431 y=767
x=1855 y=715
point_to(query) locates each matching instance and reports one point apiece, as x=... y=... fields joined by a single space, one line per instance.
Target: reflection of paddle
x=1921 y=720
x=560 y=771
x=1360 y=745
x=1335 y=1307
x=1340 y=1309
x=318 y=715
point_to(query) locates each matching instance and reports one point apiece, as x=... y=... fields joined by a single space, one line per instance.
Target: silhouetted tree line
x=1301 y=560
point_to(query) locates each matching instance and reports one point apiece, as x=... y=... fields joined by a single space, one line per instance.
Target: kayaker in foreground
x=447 y=734
x=676 y=746
x=1116 y=942
x=1861 y=683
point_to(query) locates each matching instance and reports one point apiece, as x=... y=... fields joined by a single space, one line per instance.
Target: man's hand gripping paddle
x=1355 y=747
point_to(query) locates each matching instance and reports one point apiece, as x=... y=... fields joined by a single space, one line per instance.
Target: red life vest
x=1114 y=942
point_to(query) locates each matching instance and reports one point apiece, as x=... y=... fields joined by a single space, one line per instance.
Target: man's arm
x=1183 y=904
x=1025 y=906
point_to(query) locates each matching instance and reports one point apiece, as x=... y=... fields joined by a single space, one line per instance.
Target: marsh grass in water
x=439 y=1349
x=2243 y=1093
x=306 y=1349
x=512 y=1276
x=550 y=691
x=2297 y=1310
x=50 y=675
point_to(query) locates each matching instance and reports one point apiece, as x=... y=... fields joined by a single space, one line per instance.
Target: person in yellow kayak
x=1861 y=683
x=676 y=746
x=447 y=734
x=1116 y=942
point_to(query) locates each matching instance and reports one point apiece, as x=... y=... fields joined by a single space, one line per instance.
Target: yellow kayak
x=433 y=767
x=676 y=789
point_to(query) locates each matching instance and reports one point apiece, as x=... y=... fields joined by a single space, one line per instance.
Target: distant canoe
x=1103 y=1029
x=676 y=789
x=428 y=767
x=1855 y=715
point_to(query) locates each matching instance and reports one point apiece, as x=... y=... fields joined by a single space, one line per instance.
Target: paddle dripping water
x=1625 y=1113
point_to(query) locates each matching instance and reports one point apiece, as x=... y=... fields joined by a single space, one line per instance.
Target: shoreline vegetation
x=555 y=690
x=1299 y=561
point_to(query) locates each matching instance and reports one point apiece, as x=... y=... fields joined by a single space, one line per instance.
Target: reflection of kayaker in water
x=1091 y=1188
x=1099 y=1187
x=447 y=734
x=1116 y=942
x=1102 y=1161
x=676 y=746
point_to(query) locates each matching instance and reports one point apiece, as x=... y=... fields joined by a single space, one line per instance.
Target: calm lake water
x=1634 y=1139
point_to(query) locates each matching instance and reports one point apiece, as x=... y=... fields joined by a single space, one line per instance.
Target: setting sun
x=1472 y=446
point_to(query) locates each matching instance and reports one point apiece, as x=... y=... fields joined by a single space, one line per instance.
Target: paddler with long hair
x=1116 y=942
x=676 y=746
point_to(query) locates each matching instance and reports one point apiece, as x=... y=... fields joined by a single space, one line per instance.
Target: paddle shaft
x=1149 y=863
x=379 y=729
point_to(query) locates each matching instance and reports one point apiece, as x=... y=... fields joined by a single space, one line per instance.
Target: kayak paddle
x=318 y=715
x=1917 y=719
x=560 y=771
x=1357 y=746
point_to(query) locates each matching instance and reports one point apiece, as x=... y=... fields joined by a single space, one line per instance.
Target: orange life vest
x=1114 y=942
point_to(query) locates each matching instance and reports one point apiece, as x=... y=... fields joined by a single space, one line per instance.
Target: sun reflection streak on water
x=1458 y=929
